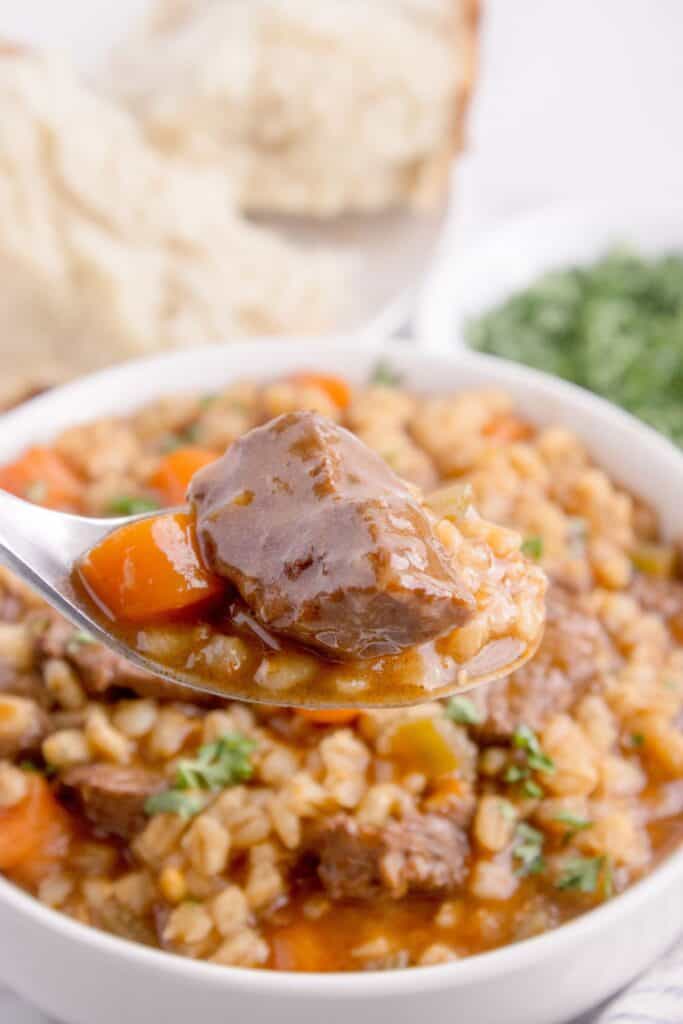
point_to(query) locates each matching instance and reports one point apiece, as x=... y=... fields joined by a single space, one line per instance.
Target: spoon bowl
x=42 y=546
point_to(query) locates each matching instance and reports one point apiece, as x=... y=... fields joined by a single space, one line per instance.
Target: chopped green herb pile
x=217 y=765
x=615 y=327
x=463 y=711
x=126 y=505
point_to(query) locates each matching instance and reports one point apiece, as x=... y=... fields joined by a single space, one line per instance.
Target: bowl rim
x=441 y=309
x=478 y=967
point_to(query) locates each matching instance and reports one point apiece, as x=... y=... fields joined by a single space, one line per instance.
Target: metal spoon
x=41 y=546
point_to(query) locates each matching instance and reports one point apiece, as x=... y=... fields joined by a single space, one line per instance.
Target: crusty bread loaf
x=313 y=107
x=108 y=249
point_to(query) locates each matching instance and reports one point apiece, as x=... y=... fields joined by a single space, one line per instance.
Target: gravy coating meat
x=341 y=555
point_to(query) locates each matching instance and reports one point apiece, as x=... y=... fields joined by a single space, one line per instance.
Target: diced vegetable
x=328 y=716
x=173 y=474
x=149 y=569
x=506 y=428
x=419 y=746
x=42 y=476
x=34 y=834
x=336 y=388
x=655 y=560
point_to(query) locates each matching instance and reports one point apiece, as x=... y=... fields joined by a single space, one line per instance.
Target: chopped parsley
x=223 y=763
x=384 y=375
x=532 y=789
x=637 y=739
x=464 y=711
x=528 y=850
x=79 y=638
x=574 y=824
x=217 y=765
x=131 y=505
x=507 y=810
x=614 y=326
x=584 y=873
x=532 y=547
x=174 y=801
x=526 y=739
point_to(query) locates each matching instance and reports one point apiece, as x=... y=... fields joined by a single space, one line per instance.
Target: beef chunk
x=324 y=542
x=111 y=797
x=574 y=652
x=421 y=853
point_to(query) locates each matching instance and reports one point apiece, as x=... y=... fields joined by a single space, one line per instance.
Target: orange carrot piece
x=298 y=947
x=506 y=428
x=149 y=569
x=174 y=472
x=34 y=834
x=336 y=388
x=328 y=716
x=41 y=476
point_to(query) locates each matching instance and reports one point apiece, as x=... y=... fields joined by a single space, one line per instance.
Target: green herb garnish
x=463 y=711
x=614 y=326
x=130 y=505
x=384 y=375
x=174 y=801
x=528 y=850
x=79 y=638
x=582 y=874
x=573 y=822
x=526 y=739
x=637 y=739
x=532 y=789
x=532 y=547
x=219 y=764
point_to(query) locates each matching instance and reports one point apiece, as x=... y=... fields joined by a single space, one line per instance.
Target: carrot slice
x=507 y=428
x=328 y=716
x=34 y=834
x=148 y=569
x=173 y=474
x=335 y=388
x=41 y=476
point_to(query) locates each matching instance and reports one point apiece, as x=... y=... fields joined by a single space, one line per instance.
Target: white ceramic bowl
x=83 y=976
x=470 y=275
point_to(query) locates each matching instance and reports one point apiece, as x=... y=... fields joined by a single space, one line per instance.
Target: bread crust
x=465 y=28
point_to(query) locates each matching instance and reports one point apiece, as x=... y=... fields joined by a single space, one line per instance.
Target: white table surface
x=577 y=99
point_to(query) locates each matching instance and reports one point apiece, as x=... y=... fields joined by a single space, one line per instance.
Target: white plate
x=83 y=976
x=470 y=277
